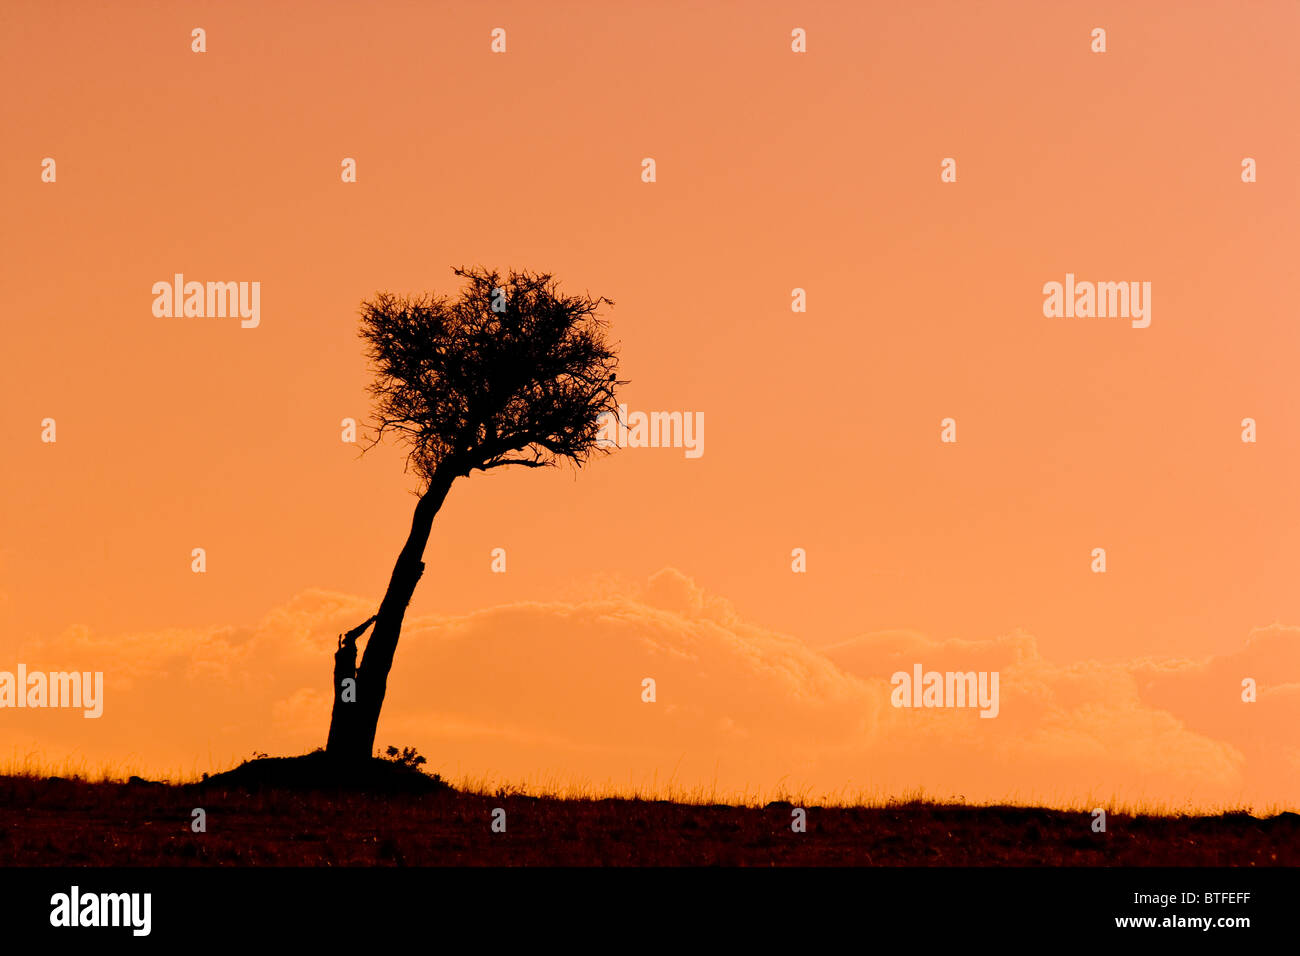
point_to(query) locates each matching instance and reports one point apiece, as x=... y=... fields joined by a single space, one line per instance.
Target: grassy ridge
x=262 y=815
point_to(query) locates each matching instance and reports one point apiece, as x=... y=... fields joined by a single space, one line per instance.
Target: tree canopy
x=510 y=372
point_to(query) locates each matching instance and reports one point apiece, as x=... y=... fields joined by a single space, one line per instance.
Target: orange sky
x=775 y=170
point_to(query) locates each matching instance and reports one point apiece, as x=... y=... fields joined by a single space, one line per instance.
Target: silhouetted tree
x=510 y=372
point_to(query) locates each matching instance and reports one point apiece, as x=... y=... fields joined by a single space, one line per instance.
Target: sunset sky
x=776 y=170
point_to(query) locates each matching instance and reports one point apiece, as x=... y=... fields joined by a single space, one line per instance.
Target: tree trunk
x=353 y=724
x=345 y=674
x=345 y=668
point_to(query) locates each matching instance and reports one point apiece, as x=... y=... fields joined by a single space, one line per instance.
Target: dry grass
x=568 y=787
x=88 y=817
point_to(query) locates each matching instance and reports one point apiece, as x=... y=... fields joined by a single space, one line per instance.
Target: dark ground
x=289 y=813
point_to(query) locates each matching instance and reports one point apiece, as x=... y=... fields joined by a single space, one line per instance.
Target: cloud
x=551 y=692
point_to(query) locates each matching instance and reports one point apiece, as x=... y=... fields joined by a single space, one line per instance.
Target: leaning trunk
x=353 y=723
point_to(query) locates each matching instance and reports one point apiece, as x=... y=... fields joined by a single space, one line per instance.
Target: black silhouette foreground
x=398 y=773
x=510 y=372
x=268 y=813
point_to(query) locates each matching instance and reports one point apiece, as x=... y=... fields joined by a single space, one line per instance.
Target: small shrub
x=407 y=757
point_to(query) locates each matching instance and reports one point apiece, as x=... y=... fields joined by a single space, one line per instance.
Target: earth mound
x=316 y=771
